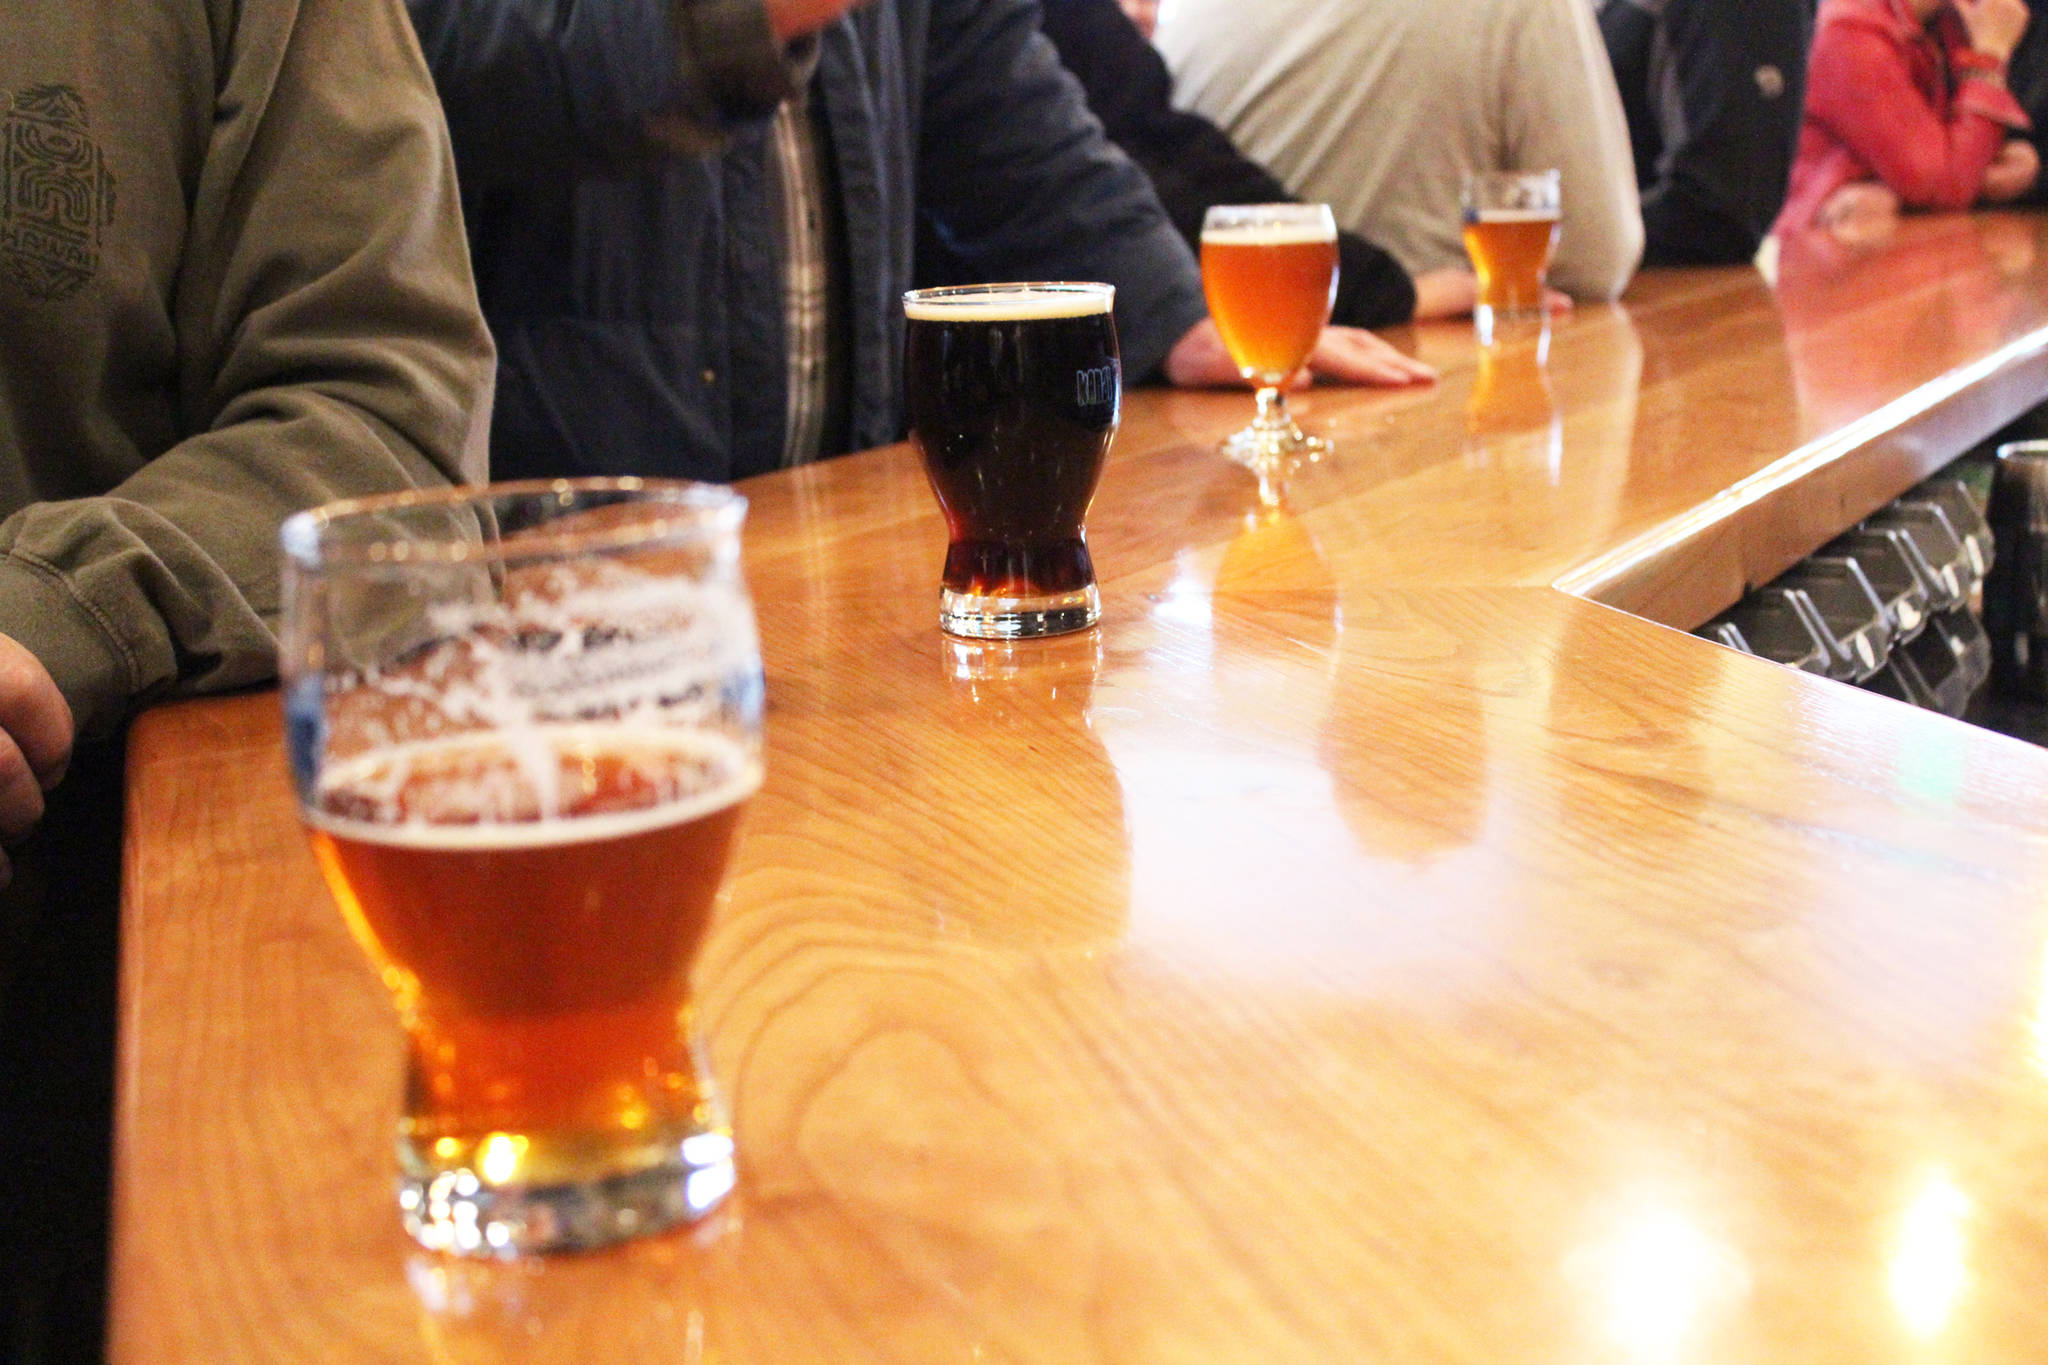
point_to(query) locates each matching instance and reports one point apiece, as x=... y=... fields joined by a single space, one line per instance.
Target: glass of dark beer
x=524 y=721
x=1014 y=391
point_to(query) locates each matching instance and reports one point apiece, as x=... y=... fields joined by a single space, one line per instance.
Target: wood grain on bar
x=1358 y=949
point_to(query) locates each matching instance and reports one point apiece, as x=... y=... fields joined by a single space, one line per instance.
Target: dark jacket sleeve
x=1019 y=182
x=533 y=84
x=1193 y=163
x=1722 y=102
x=2027 y=77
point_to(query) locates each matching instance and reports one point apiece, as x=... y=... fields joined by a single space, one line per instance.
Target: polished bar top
x=1361 y=947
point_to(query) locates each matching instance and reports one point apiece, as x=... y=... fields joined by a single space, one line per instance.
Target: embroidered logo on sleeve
x=56 y=193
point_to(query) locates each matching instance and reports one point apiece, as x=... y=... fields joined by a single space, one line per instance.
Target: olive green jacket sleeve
x=325 y=343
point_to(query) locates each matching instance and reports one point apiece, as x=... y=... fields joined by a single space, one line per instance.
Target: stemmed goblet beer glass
x=1270 y=274
x=523 y=722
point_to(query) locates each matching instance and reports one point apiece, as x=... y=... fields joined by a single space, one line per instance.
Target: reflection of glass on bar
x=522 y=760
x=1014 y=393
x=1511 y=229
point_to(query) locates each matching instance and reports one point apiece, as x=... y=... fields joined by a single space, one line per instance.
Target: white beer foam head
x=1271 y=234
x=723 y=772
x=1511 y=215
x=1022 y=303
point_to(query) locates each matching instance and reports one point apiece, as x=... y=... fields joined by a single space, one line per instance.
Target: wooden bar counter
x=1366 y=946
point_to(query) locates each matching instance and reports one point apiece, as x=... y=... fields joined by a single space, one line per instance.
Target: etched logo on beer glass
x=524 y=722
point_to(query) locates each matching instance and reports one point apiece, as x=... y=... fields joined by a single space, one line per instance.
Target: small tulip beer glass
x=1014 y=393
x=524 y=721
x=1510 y=224
x=1270 y=274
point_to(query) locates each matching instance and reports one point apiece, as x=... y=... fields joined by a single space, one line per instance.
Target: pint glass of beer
x=1014 y=391
x=1510 y=222
x=1270 y=274
x=523 y=721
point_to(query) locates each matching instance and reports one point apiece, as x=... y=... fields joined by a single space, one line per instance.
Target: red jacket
x=1885 y=100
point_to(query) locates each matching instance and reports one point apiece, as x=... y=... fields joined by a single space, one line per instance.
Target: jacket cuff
x=1148 y=340
x=726 y=50
x=39 y=611
x=1372 y=288
x=1992 y=100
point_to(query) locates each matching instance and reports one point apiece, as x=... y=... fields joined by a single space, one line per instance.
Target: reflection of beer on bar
x=540 y=961
x=1270 y=287
x=1511 y=394
x=1014 y=394
x=1510 y=250
x=1027 y=710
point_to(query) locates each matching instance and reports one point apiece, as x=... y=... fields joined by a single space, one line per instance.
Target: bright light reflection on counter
x=1930 y=1265
x=2041 y=1021
x=1186 y=599
x=1931 y=766
x=1657 y=1281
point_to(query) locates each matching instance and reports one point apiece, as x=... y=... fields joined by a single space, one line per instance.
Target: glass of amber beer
x=1510 y=220
x=1270 y=274
x=1014 y=392
x=523 y=721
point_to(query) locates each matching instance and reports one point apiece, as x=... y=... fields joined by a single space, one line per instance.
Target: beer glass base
x=1487 y=318
x=1272 y=447
x=457 y=1210
x=1258 y=446
x=976 y=616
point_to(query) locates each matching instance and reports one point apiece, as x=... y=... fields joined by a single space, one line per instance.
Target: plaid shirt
x=806 y=278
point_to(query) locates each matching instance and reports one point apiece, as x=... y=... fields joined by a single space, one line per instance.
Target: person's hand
x=1352 y=355
x=1860 y=212
x=788 y=20
x=1453 y=292
x=1143 y=13
x=1348 y=354
x=2012 y=173
x=35 y=742
x=792 y=19
x=1994 y=26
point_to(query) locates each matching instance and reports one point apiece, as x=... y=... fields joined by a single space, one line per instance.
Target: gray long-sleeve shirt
x=232 y=284
x=1376 y=107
